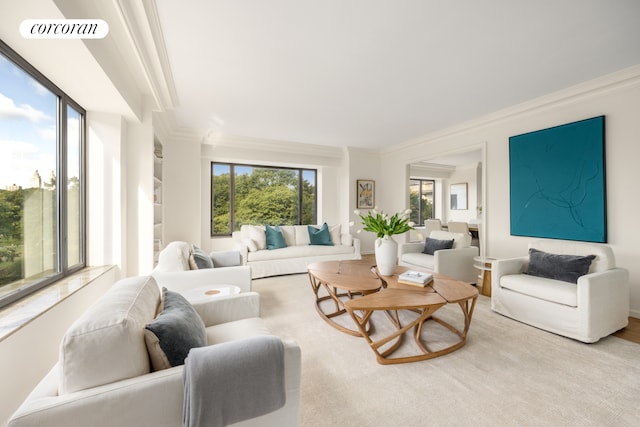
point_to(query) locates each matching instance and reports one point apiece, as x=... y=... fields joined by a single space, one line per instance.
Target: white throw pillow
x=250 y=244
x=106 y=344
x=289 y=234
x=257 y=234
x=336 y=232
x=302 y=235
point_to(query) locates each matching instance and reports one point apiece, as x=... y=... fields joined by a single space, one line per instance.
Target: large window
x=41 y=180
x=260 y=195
x=421 y=197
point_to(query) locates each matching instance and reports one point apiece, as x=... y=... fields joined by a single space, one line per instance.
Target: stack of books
x=415 y=278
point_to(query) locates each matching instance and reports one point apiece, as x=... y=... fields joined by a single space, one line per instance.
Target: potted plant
x=385 y=226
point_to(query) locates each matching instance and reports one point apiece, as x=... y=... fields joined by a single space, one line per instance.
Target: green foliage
x=264 y=196
x=421 y=209
x=11 y=209
x=385 y=225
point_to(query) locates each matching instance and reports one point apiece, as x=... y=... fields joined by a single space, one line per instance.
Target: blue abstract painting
x=557 y=182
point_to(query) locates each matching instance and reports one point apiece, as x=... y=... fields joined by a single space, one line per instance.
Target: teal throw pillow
x=319 y=236
x=275 y=239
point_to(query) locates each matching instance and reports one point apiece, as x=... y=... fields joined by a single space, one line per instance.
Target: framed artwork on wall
x=365 y=194
x=458 y=196
x=557 y=182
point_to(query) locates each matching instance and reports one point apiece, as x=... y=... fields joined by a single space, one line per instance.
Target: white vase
x=386 y=255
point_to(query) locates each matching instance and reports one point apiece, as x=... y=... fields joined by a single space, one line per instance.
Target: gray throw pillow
x=175 y=331
x=559 y=267
x=433 y=245
x=203 y=260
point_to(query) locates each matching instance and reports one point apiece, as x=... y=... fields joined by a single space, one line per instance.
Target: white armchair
x=594 y=307
x=456 y=262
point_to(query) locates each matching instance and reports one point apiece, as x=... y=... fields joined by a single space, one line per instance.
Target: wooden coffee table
x=392 y=297
x=342 y=281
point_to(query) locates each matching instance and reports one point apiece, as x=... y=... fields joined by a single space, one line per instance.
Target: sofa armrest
x=457 y=263
x=606 y=293
x=229 y=308
x=406 y=248
x=151 y=399
x=505 y=267
x=241 y=247
x=239 y=276
x=226 y=258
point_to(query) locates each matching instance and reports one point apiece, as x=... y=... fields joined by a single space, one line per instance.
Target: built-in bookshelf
x=158 y=213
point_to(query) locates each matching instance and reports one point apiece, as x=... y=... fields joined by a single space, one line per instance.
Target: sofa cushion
x=336 y=234
x=433 y=245
x=419 y=259
x=106 y=343
x=542 y=288
x=320 y=236
x=460 y=240
x=257 y=234
x=274 y=237
x=558 y=267
x=302 y=235
x=289 y=233
x=201 y=258
x=177 y=329
x=174 y=257
x=299 y=252
x=250 y=244
x=604 y=260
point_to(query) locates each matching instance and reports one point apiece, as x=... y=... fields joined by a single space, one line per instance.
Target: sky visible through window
x=27 y=128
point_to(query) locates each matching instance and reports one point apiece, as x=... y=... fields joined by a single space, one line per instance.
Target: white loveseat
x=594 y=307
x=104 y=376
x=174 y=270
x=298 y=253
x=456 y=262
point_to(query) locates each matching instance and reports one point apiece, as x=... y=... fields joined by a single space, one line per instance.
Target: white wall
x=327 y=160
x=366 y=164
x=616 y=96
x=464 y=174
x=29 y=353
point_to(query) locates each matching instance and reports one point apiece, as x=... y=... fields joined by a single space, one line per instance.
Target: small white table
x=205 y=293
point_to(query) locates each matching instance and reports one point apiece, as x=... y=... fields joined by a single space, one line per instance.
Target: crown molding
x=616 y=81
x=289 y=147
x=145 y=34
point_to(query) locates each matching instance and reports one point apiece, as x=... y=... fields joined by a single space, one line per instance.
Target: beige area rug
x=507 y=374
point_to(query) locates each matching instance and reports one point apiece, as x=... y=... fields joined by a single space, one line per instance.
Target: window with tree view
x=41 y=182
x=260 y=195
x=421 y=192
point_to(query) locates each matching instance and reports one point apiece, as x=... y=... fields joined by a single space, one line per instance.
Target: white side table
x=484 y=278
x=205 y=293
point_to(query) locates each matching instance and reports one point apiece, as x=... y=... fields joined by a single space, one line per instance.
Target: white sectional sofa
x=298 y=253
x=104 y=375
x=456 y=262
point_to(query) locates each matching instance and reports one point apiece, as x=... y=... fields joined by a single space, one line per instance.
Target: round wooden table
x=341 y=281
x=356 y=288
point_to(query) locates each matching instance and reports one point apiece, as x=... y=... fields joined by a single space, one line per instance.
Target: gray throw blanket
x=234 y=381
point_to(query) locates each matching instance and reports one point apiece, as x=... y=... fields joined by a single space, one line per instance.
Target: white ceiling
x=372 y=73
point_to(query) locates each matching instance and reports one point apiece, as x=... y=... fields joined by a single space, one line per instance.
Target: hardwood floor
x=631 y=332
